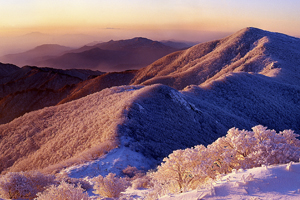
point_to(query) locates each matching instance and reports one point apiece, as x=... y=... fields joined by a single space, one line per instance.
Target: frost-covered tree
x=247 y=149
x=274 y=148
x=63 y=191
x=185 y=169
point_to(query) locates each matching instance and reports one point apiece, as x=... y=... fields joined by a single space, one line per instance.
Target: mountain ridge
x=242 y=51
x=253 y=79
x=108 y=56
x=33 y=56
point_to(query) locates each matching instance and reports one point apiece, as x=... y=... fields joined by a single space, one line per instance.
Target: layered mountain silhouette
x=107 y=56
x=36 y=55
x=186 y=98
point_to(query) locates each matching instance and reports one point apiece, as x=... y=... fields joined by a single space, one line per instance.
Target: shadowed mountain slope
x=6 y=69
x=178 y=45
x=249 y=50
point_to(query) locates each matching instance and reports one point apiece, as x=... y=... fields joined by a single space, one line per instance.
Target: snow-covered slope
x=154 y=120
x=267 y=182
x=157 y=119
x=85 y=129
x=30 y=88
x=249 y=50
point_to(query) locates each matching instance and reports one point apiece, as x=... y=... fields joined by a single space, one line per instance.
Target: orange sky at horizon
x=93 y=16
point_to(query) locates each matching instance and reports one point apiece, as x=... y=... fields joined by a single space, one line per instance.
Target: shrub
x=110 y=186
x=24 y=185
x=63 y=177
x=185 y=169
x=130 y=171
x=63 y=191
x=248 y=149
x=141 y=182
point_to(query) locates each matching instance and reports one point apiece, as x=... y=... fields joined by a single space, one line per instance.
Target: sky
x=157 y=19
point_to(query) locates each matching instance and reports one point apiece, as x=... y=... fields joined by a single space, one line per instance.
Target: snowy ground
x=113 y=162
x=267 y=182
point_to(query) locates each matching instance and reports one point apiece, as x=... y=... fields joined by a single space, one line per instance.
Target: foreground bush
x=141 y=182
x=24 y=185
x=186 y=169
x=110 y=186
x=64 y=191
x=63 y=177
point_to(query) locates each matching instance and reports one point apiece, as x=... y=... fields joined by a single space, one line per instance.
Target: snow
x=237 y=96
x=266 y=182
x=179 y=98
x=113 y=162
x=249 y=50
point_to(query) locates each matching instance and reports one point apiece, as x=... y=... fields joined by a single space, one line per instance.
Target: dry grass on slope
x=66 y=134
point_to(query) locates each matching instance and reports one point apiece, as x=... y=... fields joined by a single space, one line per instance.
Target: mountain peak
x=249 y=50
x=139 y=39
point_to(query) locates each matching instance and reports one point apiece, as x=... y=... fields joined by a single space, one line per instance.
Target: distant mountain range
x=186 y=98
x=106 y=56
x=38 y=54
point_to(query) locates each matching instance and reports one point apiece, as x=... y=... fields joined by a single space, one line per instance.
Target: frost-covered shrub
x=110 y=186
x=130 y=171
x=141 y=182
x=63 y=177
x=24 y=185
x=247 y=149
x=63 y=191
x=185 y=169
x=137 y=177
x=275 y=148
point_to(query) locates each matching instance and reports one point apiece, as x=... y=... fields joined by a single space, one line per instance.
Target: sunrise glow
x=93 y=15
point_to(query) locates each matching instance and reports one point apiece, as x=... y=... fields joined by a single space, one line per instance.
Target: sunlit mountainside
x=249 y=50
x=52 y=119
x=31 y=88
